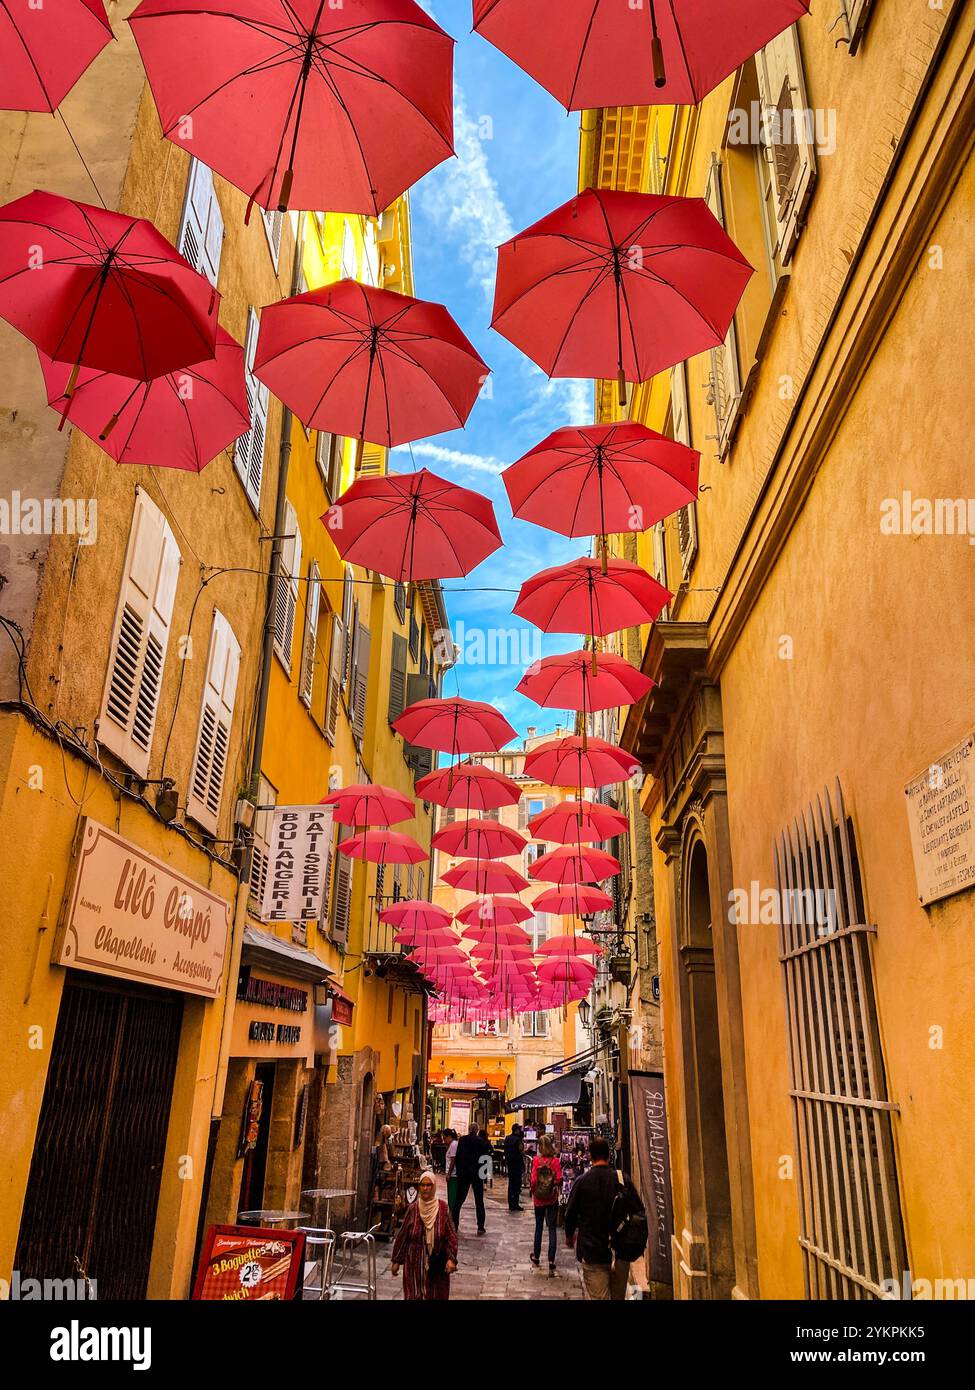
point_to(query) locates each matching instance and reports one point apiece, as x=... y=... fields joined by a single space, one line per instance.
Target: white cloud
x=477 y=463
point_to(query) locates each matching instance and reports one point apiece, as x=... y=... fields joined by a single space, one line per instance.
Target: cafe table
x=328 y=1195
x=272 y=1217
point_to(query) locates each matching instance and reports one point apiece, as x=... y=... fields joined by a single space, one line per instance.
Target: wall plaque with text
x=939 y=808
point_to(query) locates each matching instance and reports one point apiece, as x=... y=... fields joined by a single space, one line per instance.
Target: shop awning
x=561 y=1090
x=265 y=949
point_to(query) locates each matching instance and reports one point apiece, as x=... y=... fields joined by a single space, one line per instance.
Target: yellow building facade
x=815 y=673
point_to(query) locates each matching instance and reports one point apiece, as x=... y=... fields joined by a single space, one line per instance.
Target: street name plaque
x=939 y=808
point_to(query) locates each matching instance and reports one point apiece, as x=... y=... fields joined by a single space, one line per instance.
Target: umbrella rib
x=582 y=53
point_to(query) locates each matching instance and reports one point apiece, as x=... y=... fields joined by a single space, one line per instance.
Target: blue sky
x=461 y=211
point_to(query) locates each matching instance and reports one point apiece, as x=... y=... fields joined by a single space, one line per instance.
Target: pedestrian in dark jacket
x=472 y=1167
x=514 y=1157
x=587 y=1223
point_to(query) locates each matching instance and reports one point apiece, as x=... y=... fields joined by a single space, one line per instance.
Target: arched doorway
x=710 y=1191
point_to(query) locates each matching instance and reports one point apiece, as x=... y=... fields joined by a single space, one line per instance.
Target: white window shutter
x=201 y=231
x=216 y=718
x=309 y=650
x=249 y=449
x=273 y=226
x=336 y=665
x=266 y=796
x=140 y=637
x=789 y=142
x=286 y=588
x=680 y=415
x=724 y=388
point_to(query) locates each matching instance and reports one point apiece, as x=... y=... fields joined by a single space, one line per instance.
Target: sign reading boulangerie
x=650 y=1128
x=299 y=854
x=134 y=917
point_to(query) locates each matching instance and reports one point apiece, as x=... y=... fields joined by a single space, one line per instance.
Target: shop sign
x=245 y=1263
x=131 y=916
x=299 y=852
x=650 y=1127
x=939 y=808
x=273 y=1018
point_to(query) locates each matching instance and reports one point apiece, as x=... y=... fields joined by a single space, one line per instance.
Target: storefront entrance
x=255 y=1160
x=90 y=1206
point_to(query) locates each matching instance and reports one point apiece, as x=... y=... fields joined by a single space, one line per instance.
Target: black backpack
x=628 y=1228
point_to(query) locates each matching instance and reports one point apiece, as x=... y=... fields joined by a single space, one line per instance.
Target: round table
x=328 y=1195
x=271 y=1218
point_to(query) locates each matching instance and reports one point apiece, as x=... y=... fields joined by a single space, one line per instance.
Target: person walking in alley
x=472 y=1165
x=450 y=1167
x=546 y=1176
x=514 y=1157
x=606 y=1222
x=425 y=1247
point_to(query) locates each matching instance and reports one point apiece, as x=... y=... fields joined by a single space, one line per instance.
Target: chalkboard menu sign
x=249 y=1263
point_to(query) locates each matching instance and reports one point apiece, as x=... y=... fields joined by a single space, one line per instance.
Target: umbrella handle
x=656 y=51
x=360 y=445
x=621 y=383
x=287 y=181
x=108 y=428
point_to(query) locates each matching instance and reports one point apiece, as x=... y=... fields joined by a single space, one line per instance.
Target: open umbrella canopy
x=572 y=761
x=595 y=53
x=415 y=914
x=570 y=864
x=619 y=285
x=579 y=597
x=493 y=914
x=573 y=900
x=502 y=950
x=492 y=877
x=497 y=936
x=427 y=939
x=577 y=822
x=46 y=48
x=468 y=786
x=455 y=726
x=180 y=420
x=99 y=289
x=570 y=945
x=602 y=479
x=367 y=803
x=303 y=103
x=384 y=847
x=369 y=363
x=413 y=526
x=568 y=681
x=484 y=839
x=568 y=970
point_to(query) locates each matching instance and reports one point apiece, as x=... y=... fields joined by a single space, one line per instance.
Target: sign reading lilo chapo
x=134 y=917
x=941 y=811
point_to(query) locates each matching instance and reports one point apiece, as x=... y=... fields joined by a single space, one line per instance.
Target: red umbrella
x=570 y=946
x=484 y=839
x=455 y=726
x=566 y=971
x=619 y=285
x=502 y=950
x=180 y=420
x=570 y=864
x=576 y=762
x=493 y=877
x=384 y=847
x=413 y=526
x=497 y=935
x=578 y=597
x=98 y=289
x=431 y=937
x=46 y=48
x=595 y=53
x=576 y=822
x=469 y=786
x=567 y=681
x=415 y=914
x=303 y=103
x=573 y=901
x=441 y=955
x=369 y=363
x=366 y=803
x=493 y=914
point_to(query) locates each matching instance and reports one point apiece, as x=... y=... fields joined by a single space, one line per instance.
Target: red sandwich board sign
x=249 y=1263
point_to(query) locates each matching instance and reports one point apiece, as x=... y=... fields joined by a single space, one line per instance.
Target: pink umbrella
x=415 y=914
x=573 y=900
x=468 y=786
x=492 y=877
x=575 y=822
x=584 y=681
x=431 y=937
x=569 y=864
x=366 y=804
x=570 y=946
x=576 y=762
x=493 y=913
x=565 y=971
x=484 y=839
x=384 y=847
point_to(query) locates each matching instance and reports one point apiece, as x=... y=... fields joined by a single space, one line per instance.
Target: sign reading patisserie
x=134 y=917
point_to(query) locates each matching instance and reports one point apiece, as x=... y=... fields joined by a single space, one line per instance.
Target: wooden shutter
x=857 y=12
x=266 y=796
x=350 y=618
x=329 y=455
x=309 y=649
x=286 y=588
x=327 y=882
x=341 y=910
x=216 y=718
x=680 y=418
x=140 y=637
x=274 y=227
x=787 y=131
x=200 y=237
x=724 y=387
x=249 y=449
x=397 y=678
x=360 y=680
x=336 y=664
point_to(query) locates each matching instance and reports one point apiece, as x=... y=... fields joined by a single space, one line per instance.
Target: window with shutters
x=274 y=228
x=399 y=599
x=327 y=882
x=140 y=637
x=309 y=646
x=857 y=13
x=286 y=588
x=336 y=666
x=249 y=449
x=360 y=680
x=342 y=895
x=349 y=620
x=788 y=138
x=681 y=431
x=534 y=1025
x=658 y=541
x=397 y=678
x=724 y=383
x=260 y=852
x=414 y=637
x=329 y=452
x=209 y=774
x=200 y=237
x=370 y=254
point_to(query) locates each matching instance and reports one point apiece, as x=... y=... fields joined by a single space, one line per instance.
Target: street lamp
x=584 y=1011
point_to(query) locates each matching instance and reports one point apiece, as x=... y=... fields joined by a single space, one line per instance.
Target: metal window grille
x=851 y=1231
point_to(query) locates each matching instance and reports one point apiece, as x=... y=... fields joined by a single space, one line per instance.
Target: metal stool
x=320 y=1247
x=352 y=1241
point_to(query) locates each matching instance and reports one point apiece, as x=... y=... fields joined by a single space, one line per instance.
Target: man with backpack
x=606 y=1222
x=546 y=1176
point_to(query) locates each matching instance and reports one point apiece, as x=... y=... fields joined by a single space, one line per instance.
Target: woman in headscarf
x=425 y=1247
